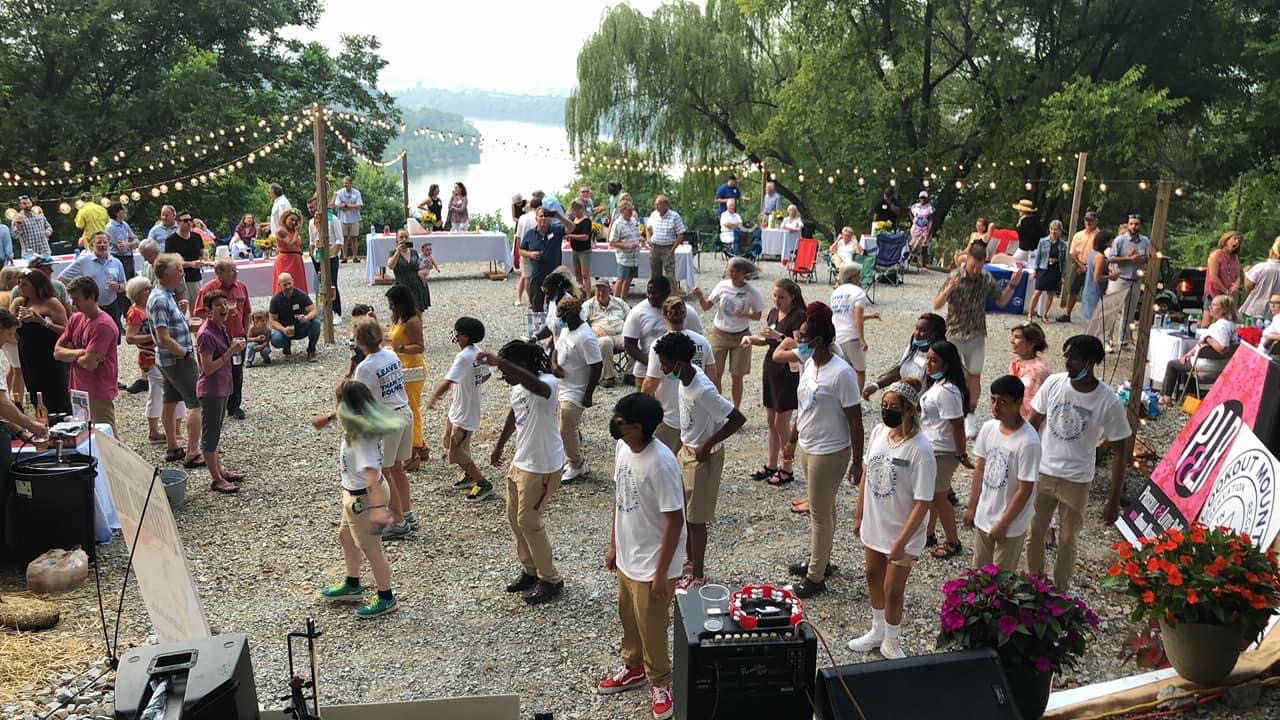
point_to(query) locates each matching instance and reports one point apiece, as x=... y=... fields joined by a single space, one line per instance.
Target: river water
x=504 y=169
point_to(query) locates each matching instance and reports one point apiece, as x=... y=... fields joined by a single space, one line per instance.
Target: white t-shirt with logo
x=539 y=449
x=576 y=351
x=382 y=374
x=356 y=456
x=466 y=375
x=912 y=363
x=648 y=484
x=703 y=410
x=939 y=405
x=1010 y=459
x=1074 y=423
x=897 y=478
x=823 y=394
x=730 y=300
x=843 y=300
x=667 y=393
x=644 y=323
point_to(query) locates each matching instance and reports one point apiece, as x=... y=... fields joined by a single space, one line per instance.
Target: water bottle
x=1123 y=391
x=1153 y=402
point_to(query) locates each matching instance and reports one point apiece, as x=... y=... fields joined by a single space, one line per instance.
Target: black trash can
x=53 y=503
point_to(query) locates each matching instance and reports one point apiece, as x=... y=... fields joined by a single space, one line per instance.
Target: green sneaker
x=342 y=591
x=377 y=606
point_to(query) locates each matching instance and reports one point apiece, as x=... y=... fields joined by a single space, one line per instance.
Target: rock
x=1245 y=695
x=1172 y=697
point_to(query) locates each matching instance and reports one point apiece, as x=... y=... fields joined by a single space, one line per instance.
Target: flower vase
x=1204 y=654
x=1030 y=688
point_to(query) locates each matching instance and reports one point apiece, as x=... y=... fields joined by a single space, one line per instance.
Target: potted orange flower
x=1211 y=590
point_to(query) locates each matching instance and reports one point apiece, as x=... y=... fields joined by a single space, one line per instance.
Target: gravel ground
x=258 y=557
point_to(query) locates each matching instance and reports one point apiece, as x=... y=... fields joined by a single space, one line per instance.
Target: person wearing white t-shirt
x=1272 y=332
x=1075 y=410
x=730 y=223
x=465 y=376
x=736 y=304
x=536 y=468
x=577 y=356
x=707 y=419
x=1008 y=452
x=1219 y=337
x=943 y=406
x=848 y=311
x=381 y=372
x=365 y=494
x=828 y=428
x=279 y=204
x=646 y=548
x=644 y=325
x=893 y=499
x=656 y=382
x=929 y=328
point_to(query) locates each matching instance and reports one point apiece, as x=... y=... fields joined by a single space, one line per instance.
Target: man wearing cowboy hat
x=1029 y=229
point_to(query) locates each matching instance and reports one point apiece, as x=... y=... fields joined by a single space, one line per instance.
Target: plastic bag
x=58 y=571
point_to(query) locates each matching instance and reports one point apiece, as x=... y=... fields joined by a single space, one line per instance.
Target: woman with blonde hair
x=1220 y=337
x=1223 y=275
x=893 y=500
x=656 y=383
x=9 y=277
x=1261 y=281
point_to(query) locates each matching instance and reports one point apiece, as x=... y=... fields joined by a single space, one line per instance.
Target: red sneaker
x=621 y=681
x=663 y=705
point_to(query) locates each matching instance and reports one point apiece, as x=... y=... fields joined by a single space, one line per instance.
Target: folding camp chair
x=804 y=260
x=1202 y=380
x=890 y=260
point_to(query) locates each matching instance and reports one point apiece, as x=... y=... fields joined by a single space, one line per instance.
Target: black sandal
x=764 y=473
x=931 y=540
x=781 y=477
x=946 y=550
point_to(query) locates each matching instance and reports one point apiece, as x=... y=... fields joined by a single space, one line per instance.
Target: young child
x=365 y=496
x=646 y=549
x=1008 y=452
x=537 y=466
x=259 y=336
x=465 y=375
x=427 y=262
x=707 y=419
x=357 y=355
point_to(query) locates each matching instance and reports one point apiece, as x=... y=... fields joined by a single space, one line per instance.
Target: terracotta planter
x=1030 y=689
x=1203 y=654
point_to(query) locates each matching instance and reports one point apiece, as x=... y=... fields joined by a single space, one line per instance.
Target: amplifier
x=731 y=672
x=924 y=687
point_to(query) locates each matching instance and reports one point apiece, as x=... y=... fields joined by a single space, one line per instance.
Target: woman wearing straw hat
x=1029 y=229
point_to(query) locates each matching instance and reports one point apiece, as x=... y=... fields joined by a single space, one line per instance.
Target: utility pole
x=1073 y=223
x=764 y=182
x=1141 y=336
x=322 y=223
x=404 y=183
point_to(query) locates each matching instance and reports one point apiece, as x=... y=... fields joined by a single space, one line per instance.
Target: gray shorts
x=180 y=382
x=628 y=272
x=213 y=411
x=973 y=353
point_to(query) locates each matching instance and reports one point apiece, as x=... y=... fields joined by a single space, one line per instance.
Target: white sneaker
x=970 y=426
x=891 y=649
x=867 y=642
x=573 y=473
x=337 y=319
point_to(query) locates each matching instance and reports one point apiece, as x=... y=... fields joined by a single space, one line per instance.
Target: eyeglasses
x=184 y=219
x=1273 y=302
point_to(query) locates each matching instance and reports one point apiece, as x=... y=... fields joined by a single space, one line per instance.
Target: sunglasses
x=184 y=219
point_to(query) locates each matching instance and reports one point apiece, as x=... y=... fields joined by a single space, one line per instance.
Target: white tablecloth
x=778 y=242
x=1164 y=347
x=105 y=519
x=446 y=247
x=604 y=263
x=255 y=274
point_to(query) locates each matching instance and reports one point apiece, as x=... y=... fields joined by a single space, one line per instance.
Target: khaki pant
x=1069 y=499
x=1004 y=553
x=730 y=356
x=701 y=485
x=947 y=463
x=853 y=355
x=823 y=474
x=457 y=444
x=607 y=345
x=646 y=626
x=527 y=496
x=103 y=411
x=570 y=420
x=669 y=436
x=360 y=524
x=662 y=261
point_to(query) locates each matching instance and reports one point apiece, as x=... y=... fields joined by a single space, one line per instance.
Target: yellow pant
x=414 y=391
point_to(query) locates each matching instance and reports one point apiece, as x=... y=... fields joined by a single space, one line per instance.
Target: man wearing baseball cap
x=606 y=314
x=44 y=264
x=1081 y=244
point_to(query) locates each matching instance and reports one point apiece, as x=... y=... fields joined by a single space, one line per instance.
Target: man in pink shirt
x=238 y=311
x=89 y=346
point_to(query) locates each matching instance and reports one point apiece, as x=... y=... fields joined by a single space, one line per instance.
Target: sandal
x=194 y=462
x=800 y=506
x=931 y=540
x=781 y=477
x=225 y=488
x=764 y=473
x=174 y=454
x=232 y=477
x=946 y=550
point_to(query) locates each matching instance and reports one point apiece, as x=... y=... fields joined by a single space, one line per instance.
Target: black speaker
x=209 y=679
x=734 y=673
x=926 y=687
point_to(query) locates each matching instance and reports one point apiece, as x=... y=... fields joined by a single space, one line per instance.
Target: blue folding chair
x=890 y=260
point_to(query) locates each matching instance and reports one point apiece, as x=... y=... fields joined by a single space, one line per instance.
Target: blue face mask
x=1084 y=373
x=937 y=375
x=919 y=344
x=674 y=374
x=561 y=324
x=805 y=351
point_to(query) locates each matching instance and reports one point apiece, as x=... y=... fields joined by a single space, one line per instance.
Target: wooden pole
x=764 y=182
x=404 y=183
x=1146 y=304
x=1235 y=215
x=1073 y=223
x=322 y=224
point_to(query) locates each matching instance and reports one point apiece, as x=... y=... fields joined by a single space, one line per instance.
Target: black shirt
x=549 y=246
x=884 y=211
x=581 y=227
x=288 y=308
x=1029 y=233
x=190 y=248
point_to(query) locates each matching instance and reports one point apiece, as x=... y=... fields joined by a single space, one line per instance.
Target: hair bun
x=818 y=312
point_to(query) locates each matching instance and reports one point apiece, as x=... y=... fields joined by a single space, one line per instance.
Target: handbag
x=416 y=374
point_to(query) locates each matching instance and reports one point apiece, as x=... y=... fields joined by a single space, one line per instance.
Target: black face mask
x=615 y=428
x=891 y=418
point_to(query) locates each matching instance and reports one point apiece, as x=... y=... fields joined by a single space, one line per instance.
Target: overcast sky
x=485 y=44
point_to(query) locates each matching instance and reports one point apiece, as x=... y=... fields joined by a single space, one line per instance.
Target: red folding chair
x=804 y=260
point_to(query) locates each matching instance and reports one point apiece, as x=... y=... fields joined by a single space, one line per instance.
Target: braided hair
x=526 y=355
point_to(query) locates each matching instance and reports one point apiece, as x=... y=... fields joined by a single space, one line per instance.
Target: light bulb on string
x=1066 y=187
x=1142 y=184
x=1102 y=187
x=1027 y=186
x=64 y=208
x=1178 y=191
x=992 y=184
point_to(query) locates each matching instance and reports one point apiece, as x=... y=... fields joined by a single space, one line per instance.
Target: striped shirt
x=666 y=229
x=162 y=307
x=30 y=229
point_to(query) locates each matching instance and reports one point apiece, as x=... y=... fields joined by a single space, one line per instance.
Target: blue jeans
x=255 y=351
x=309 y=330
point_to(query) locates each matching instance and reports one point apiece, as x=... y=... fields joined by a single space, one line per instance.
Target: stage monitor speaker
x=210 y=679
x=967 y=684
x=735 y=673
